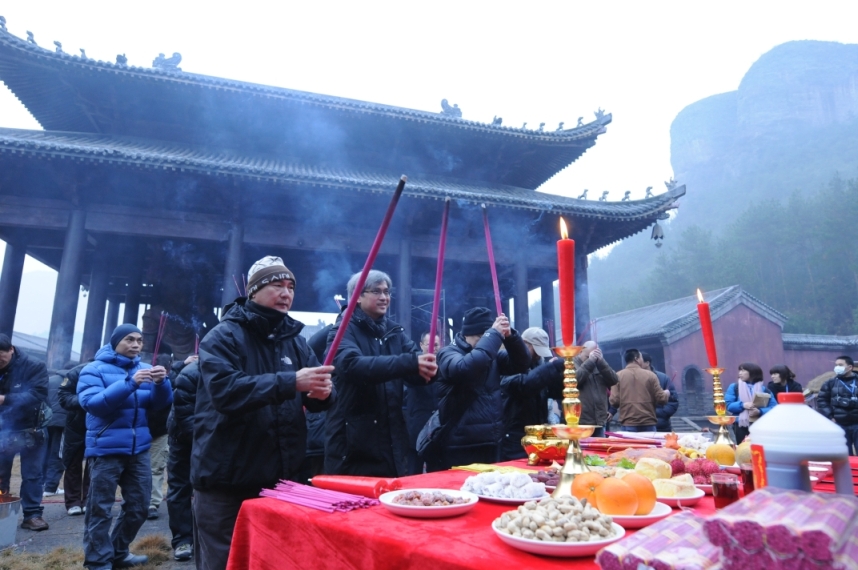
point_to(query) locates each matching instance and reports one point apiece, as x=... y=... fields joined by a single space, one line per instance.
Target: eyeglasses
x=379 y=292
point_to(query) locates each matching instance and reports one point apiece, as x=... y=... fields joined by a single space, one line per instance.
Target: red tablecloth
x=272 y=534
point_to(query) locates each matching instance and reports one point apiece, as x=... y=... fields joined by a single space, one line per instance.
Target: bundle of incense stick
x=161 y=326
x=315 y=498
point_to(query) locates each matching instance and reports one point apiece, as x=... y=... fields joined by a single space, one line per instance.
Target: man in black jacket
x=249 y=431
x=525 y=396
x=663 y=412
x=23 y=389
x=76 y=477
x=52 y=467
x=366 y=433
x=595 y=377
x=471 y=405
x=420 y=402
x=838 y=400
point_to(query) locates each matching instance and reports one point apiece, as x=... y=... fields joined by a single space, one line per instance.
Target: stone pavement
x=68 y=531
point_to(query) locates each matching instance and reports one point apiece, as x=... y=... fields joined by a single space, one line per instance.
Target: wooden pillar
x=582 y=297
x=93 y=326
x=132 y=297
x=233 y=268
x=10 y=285
x=67 y=292
x=403 y=287
x=549 y=318
x=111 y=321
x=522 y=313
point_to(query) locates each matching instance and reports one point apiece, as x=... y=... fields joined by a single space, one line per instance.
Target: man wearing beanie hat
x=471 y=404
x=257 y=376
x=525 y=396
x=366 y=430
x=118 y=392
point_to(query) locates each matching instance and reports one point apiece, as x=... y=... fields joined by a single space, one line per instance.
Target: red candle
x=370 y=259
x=439 y=272
x=706 y=328
x=566 y=273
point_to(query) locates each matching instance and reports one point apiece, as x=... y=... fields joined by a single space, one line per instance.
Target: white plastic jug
x=790 y=435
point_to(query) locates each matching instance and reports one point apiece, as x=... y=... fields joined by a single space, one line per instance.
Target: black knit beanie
x=121 y=332
x=477 y=321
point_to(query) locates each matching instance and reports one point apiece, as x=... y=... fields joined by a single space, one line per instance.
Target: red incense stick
x=439 y=272
x=492 y=259
x=370 y=259
x=161 y=325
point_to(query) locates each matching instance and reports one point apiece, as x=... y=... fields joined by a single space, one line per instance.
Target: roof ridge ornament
x=583 y=195
x=59 y=46
x=560 y=127
x=649 y=193
x=497 y=121
x=168 y=63
x=600 y=114
x=2 y=23
x=604 y=196
x=31 y=38
x=671 y=184
x=121 y=59
x=453 y=111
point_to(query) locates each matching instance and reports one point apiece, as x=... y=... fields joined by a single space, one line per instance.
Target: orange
x=721 y=453
x=584 y=486
x=645 y=491
x=616 y=497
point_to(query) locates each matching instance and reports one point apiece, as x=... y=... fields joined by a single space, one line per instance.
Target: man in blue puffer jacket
x=116 y=390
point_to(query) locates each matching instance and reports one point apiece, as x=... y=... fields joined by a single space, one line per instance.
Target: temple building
x=155 y=188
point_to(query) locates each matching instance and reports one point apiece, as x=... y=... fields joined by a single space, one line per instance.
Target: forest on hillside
x=799 y=255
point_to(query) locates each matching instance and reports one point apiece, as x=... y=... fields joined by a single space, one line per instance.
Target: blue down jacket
x=116 y=421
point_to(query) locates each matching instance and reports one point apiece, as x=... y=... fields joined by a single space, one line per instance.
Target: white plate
x=677 y=502
x=705 y=488
x=818 y=468
x=508 y=501
x=659 y=511
x=564 y=549
x=429 y=512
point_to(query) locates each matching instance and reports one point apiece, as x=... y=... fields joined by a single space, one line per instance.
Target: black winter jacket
x=249 y=428
x=791 y=386
x=836 y=401
x=595 y=378
x=180 y=424
x=74 y=436
x=665 y=412
x=365 y=428
x=24 y=383
x=470 y=378
x=525 y=401
x=58 y=413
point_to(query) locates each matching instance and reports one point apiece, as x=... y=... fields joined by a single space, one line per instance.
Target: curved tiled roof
x=820 y=341
x=163 y=155
x=66 y=92
x=678 y=318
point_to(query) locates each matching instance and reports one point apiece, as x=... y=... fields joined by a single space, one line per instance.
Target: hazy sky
x=534 y=62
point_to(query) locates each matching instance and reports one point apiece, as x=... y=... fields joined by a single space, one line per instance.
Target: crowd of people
x=256 y=406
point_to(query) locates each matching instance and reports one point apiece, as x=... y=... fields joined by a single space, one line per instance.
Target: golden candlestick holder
x=721 y=418
x=572 y=431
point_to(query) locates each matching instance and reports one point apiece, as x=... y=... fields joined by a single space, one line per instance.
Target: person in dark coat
x=420 y=402
x=663 y=412
x=258 y=373
x=314 y=458
x=52 y=467
x=180 y=430
x=366 y=433
x=595 y=378
x=159 y=452
x=838 y=400
x=76 y=477
x=525 y=396
x=783 y=380
x=469 y=384
x=23 y=390
x=117 y=391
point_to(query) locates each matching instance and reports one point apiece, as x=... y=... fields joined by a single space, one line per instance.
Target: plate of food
x=658 y=512
x=685 y=501
x=428 y=503
x=505 y=488
x=560 y=549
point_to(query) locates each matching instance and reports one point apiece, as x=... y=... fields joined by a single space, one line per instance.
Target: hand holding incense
x=370 y=259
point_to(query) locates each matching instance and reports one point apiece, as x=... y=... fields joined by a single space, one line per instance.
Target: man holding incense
x=258 y=375
x=366 y=430
x=471 y=404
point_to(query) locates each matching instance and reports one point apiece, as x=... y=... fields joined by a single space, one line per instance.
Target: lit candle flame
x=700 y=295
x=564 y=234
